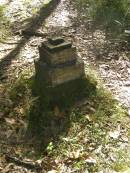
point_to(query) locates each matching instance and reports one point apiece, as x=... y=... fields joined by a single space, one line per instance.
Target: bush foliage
x=108 y=14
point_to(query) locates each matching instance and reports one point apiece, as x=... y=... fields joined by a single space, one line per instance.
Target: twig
x=19 y=162
x=12 y=43
x=33 y=33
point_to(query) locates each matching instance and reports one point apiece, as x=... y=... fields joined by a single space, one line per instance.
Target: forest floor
x=110 y=63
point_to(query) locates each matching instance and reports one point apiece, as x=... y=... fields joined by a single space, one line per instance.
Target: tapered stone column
x=59 y=72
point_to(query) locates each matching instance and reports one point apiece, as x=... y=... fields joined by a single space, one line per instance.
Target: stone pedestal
x=58 y=62
x=59 y=72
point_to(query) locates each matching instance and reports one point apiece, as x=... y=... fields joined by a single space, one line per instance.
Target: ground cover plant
x=111 y=16
x=82 y=138
x=4 y=23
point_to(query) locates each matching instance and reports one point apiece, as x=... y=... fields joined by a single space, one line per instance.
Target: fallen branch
x=25 y=164
x=39 y=34
x=33 y=33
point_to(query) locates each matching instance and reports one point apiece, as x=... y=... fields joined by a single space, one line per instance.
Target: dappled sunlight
x=35 y=24
x=52 y=120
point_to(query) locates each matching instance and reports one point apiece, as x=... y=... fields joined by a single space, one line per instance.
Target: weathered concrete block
x=56 y=45
x=55 y=75
x=57 y=51
x=67 y=73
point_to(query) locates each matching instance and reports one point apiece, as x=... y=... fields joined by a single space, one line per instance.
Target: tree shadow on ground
x=51 y=115
x=34 y=25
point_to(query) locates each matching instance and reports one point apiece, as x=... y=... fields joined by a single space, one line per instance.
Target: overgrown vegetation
x=112 y=16
x=81 y=138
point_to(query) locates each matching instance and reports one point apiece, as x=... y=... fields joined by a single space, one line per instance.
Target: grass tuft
x=4 y=24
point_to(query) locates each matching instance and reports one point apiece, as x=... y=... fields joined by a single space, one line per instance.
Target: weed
x=4 y=24
x=122 y=162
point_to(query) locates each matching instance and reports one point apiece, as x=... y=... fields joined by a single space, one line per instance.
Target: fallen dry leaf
x=1 y=115
x=10 y=121
x=114 y=134
x=52 y=171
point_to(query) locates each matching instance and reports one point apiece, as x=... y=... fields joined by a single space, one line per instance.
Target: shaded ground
x=113 y=68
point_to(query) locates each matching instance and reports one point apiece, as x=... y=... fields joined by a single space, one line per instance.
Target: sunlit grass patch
x=4 y=24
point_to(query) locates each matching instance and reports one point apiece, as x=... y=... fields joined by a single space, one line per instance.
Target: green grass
x=77 y=136
x=88 y=132
x=4 y=24
x=123 y=161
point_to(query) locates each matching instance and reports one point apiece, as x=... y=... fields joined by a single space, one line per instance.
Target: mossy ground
x=88 y=135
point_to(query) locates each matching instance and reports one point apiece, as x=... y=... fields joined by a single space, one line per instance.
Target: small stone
x=91 y=160
x=114 y=134
x=52 y=171
x=129 y=112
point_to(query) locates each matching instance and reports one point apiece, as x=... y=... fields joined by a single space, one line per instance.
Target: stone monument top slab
x=56 y=44
x=56 y=40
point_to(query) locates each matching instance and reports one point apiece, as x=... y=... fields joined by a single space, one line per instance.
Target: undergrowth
x=111 y=16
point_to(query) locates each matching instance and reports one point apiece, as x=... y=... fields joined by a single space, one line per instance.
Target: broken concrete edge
x=56 y=40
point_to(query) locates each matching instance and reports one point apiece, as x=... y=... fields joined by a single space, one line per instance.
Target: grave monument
x=60 y=77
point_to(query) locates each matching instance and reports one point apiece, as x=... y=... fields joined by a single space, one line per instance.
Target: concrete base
x=65 y=95
x=55 y=75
